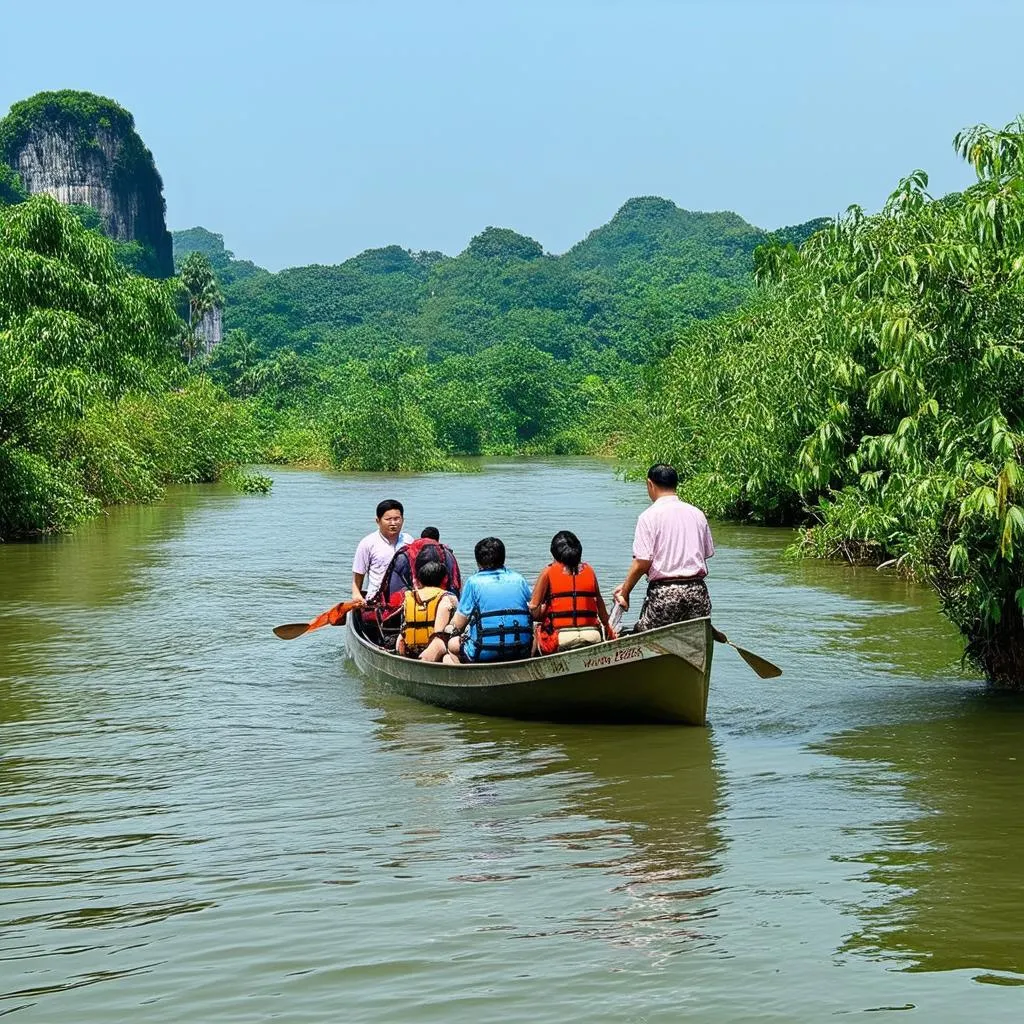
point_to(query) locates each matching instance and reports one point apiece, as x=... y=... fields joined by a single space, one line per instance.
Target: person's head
x=567 y=549
x=431 y=572
x=390 y=517
x=428 y=554
x=431 y=533
x=489 y=553
x=661 y=479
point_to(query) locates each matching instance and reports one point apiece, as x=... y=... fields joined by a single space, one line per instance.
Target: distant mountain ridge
x=629 y=286
x=640 y=228
x=211 y=245
x=646 y=225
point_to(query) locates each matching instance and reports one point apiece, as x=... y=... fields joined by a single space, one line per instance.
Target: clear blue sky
x=308 y=131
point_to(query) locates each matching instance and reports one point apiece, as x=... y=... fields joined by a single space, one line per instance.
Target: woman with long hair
x=567 y=601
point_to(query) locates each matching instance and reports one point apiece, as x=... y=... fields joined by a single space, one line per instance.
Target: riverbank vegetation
x=872 y=389
x=96 y=406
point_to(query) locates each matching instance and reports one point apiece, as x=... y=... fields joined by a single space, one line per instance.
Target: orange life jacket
x=420 y=610
x=571 y=603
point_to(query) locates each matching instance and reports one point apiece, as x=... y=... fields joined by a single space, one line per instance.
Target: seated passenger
x=567 y=601
x=494 y=611
x=425 y=612
x=401 y=573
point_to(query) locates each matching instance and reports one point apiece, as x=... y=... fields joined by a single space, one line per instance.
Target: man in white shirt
x=671 y=548
x=375 y=550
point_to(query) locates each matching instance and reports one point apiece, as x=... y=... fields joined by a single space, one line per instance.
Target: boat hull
x=658 y=676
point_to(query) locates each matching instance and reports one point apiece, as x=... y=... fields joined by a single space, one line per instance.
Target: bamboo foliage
x=874 y=390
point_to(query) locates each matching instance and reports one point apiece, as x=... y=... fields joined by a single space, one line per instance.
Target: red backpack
x=400 y=574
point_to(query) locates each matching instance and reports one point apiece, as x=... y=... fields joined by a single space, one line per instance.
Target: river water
x=200 y=822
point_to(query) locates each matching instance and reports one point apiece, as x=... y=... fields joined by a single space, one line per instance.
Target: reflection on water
x=634 y=803
x=949 y=867
x=199 y=822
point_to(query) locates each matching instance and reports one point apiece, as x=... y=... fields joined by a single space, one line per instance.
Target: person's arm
x=539 y=597
x=465 y=608
x=638 y=569
x=360 y=565
x=602 y=612
x=444 y=613
x=709 y=544
x=643 y=555
x=457 y=623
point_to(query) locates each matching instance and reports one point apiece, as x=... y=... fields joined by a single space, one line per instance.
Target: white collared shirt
x=374 y=555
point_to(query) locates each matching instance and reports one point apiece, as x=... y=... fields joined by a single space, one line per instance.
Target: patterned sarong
x=671 y=601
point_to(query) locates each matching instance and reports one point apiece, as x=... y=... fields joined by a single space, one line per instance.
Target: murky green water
x=200 y=822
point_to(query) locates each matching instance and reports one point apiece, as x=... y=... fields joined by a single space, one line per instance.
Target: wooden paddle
x=332 y=617
x=764 y=668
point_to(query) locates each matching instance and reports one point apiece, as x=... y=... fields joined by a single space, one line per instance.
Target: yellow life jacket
x=420 y=608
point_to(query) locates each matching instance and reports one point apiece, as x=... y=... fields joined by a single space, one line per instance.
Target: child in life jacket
x=426 y=610
x=567 y=601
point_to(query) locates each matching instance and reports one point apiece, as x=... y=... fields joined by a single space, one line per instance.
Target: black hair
x=489 y=553
x=428 y=553
x=664 y=477
x=387 y=505
x=567 y=549
x=431 y=573
x=431 y=533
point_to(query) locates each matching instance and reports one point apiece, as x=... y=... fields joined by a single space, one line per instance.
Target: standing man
x=376 y=549
x=671 y=547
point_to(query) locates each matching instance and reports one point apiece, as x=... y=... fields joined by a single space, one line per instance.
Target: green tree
x=95 y=406
x=202 y=295
x=237 y=363
x=11 y=188
x=900 y=335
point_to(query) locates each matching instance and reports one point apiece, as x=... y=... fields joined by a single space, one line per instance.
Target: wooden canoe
x=658 y=676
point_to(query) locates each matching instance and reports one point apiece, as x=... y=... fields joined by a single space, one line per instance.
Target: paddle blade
x=764 y=668
x=291 y=630
x=332 y=617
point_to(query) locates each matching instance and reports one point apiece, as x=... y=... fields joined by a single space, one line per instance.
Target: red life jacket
x=571 y=603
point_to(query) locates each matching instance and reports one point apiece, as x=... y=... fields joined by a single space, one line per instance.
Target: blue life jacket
x=500 y=628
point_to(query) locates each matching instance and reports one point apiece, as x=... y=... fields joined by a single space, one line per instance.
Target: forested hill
x=647 y=228
x=223 y=261
x=630 y=286
x=398 y=360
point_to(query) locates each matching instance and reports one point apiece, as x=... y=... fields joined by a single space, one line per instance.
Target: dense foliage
x=11 y=188
x=95 y=404
x=500 y=349
x=875 y=385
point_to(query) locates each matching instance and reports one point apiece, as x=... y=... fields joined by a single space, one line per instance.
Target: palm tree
x=199 y=285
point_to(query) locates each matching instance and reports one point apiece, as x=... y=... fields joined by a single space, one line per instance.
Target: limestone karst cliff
x=83 y=149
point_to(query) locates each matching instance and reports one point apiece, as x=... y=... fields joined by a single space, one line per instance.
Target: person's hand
x=359 y=600
x=620 y=598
